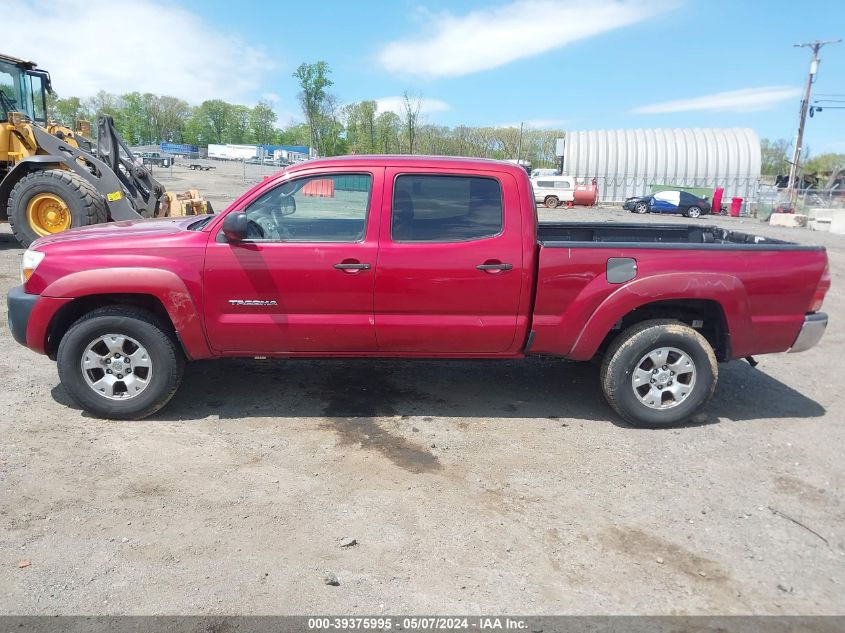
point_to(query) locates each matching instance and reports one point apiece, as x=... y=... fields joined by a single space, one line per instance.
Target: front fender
x=726 y=290
x=164 y=285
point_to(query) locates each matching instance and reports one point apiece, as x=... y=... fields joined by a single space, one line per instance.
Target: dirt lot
x=469 y=487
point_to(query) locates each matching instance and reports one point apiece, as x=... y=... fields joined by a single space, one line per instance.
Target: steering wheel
x=254 y=230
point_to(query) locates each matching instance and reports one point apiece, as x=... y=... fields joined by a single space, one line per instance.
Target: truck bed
x=763 y=286
x=689 y=236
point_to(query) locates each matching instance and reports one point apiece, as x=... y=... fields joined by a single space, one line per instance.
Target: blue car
x=669 y=202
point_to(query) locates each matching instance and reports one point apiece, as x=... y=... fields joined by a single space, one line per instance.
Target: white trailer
x=232 y=152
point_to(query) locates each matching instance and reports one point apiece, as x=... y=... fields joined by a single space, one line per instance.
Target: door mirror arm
x=235 y=226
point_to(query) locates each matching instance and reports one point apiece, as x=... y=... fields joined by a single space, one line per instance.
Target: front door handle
x=490 y=267
x=352 y=266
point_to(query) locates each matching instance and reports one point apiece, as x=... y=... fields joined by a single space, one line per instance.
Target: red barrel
x=736 y=206
x=716 y=207
x=587 y=195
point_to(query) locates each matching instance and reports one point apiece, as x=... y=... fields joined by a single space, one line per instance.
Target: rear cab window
x=429 y=208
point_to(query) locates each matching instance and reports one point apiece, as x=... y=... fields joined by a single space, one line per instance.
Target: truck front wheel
x=120 y=362
x=659 y=373
x=51 y=201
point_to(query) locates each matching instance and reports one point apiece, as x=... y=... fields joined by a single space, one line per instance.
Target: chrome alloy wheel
x=116 y=367
x=663 y=378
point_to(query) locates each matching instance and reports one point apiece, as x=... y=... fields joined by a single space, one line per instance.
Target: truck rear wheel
x=551 y=202
x=51 y=201
x=659 y=373
x=120 y=362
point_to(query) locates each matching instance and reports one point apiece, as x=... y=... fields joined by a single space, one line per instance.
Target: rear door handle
x=351 y=266
x=494 y=267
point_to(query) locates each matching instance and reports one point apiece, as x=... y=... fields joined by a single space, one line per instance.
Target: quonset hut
x=636 y=162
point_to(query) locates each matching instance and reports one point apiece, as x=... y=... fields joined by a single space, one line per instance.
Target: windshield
x=22 y=91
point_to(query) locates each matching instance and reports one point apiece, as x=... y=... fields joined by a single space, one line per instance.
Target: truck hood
x=126 y=229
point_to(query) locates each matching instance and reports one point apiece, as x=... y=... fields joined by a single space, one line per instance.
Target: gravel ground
x=468 y=487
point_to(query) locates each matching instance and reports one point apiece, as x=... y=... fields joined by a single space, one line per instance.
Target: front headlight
x=29 y=263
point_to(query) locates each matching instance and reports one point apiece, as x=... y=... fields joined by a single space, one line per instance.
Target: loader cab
x=23 y=88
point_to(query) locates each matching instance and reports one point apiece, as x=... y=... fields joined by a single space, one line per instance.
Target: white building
x=629 y=162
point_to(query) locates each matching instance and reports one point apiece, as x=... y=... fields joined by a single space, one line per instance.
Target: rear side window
x=554 y=184
x=446 y=208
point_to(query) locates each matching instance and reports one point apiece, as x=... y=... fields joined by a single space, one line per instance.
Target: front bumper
x=20 y=305
x=811 y=332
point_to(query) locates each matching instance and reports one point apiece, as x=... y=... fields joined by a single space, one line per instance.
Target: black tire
x=632 y=345
x=167 y=361
x=641 y=207
x=85 y=204
x=551 y=202
x=693 y=212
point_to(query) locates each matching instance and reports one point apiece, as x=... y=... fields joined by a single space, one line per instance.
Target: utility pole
x=519 y=144
x=805 y=105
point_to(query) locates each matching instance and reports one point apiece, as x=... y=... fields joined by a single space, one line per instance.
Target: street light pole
x=805 y=105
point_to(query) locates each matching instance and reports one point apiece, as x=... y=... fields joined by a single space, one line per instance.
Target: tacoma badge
x=252 y=302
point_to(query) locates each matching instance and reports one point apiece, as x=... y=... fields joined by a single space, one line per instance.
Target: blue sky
x=574 y=64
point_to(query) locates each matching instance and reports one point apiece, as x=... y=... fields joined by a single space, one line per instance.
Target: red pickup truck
x=411 y=257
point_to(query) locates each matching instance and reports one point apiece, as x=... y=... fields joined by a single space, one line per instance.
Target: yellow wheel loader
x=53 y=178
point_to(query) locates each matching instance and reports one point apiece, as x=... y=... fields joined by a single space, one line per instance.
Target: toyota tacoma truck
x=411 y=257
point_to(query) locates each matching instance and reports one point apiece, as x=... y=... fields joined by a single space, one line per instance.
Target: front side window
x=445 y=208
x=326 y=208
x=37 y=91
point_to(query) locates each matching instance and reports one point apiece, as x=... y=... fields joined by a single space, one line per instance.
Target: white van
x=553 y=190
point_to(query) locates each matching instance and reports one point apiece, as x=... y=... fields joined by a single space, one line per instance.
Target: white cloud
x=427 y=106
x=451 y=45
x=143 y=45
x=746 y=100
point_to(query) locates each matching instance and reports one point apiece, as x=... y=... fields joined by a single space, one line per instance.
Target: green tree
x=411 y=106
x=361 y=132
x=824 y=163
x=775 y=156
x=314 y=81
x=296 y=134
x=238 y=125
x=66 y=111
x=262 y=123
x=387 y=125
x=214 y=116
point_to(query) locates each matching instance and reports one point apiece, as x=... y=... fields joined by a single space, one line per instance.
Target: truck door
x=450 y=263
x=303 y=281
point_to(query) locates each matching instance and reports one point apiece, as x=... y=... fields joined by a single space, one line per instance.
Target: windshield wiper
x=200 y=224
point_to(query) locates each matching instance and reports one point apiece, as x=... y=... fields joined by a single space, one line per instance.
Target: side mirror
x=235 y=226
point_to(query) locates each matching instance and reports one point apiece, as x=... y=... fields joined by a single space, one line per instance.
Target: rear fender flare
x=164 y=285
x=726 y=290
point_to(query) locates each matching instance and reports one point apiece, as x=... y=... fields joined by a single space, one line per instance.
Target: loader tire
x=50 y=201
